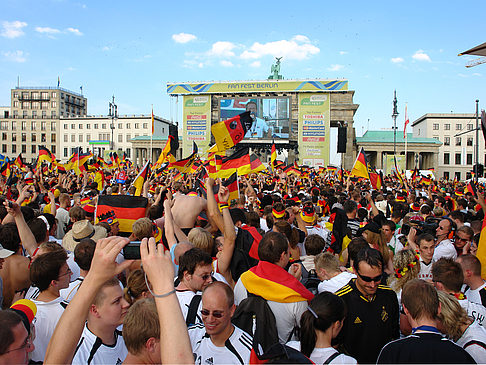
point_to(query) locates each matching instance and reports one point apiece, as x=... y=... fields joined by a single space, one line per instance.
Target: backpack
x=310 y=279
x=254 y=316
x=192 y=311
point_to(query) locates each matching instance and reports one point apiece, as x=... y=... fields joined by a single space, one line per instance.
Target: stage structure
x=295 y=114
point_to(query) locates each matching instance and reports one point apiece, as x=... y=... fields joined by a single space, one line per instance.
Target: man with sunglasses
x=218 y=341
x=444 y=246
x=15 y=340
x=372 y=308
x=463 y=237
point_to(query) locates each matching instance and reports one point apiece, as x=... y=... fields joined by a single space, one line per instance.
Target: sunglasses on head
x=216 y=314
x=376 y=279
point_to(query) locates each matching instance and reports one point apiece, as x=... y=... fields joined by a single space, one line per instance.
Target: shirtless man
x=186 y=209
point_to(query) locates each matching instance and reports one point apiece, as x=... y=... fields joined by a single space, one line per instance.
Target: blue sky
x=131 y=49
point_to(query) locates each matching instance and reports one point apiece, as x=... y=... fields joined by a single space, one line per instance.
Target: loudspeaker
x=341 y=144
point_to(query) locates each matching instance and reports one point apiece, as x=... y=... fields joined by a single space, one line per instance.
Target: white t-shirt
x=474 y=333
x=477 y=311
x=68 y=293
x=205 y=352
x=334 y=284
x=185 y=297
x=425 y=271
x=63 y=220
x=320 y=355
x=475 y=295
x=45 y=321
x=91 y=349
x=444 y=248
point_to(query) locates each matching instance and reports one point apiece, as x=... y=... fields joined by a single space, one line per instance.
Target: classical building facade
x=456 y=132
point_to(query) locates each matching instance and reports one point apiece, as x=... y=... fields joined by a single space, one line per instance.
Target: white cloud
x=226 y=63
x=183 y=37
x=255 y=64
x=75 y=31
x=106 y=48
x=335 y=67
x=297 y=48
x=397 y=59
x=477 y=74
x=343 y=52
x=12 y=29
x=15 y=56
x=47 y=30
x=222 y=49
x=420 y=55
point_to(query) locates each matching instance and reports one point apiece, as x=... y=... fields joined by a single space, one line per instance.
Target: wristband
x=155 y=295
x=223 y=206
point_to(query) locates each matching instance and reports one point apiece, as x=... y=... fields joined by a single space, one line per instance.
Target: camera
x=429 y=226
x=132 y=251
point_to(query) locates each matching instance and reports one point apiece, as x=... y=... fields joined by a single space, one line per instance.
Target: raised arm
x=169 y=223
x=229 y=236
x=26 y=236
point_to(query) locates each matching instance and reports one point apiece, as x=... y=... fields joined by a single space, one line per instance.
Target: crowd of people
x=308 y=267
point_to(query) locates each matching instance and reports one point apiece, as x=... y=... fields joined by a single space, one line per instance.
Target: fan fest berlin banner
x=196 y=123
x=314 y=127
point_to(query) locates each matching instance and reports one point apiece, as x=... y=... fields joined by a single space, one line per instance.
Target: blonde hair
x=327 y=261
x=406 y=266
x=452 y=315
x=140 y=324
x=201 y=239
x=379 y=240
x=142 y=228
x=135 y=286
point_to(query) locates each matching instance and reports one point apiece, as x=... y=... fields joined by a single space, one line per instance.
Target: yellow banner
x=196 y=123
x=314 y=127
x=258 y=86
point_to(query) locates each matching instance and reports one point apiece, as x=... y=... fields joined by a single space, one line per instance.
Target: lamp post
x=394 y=116
x=477 y=142
x=113 y=114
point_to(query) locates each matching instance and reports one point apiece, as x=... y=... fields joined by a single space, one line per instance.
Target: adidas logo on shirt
x=209 y=361
x=357 y=320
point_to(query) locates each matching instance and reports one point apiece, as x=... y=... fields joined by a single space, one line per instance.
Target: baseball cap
x=4 y=253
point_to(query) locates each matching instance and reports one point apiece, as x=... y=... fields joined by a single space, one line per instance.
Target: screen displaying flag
x=360 y=167
x=231 y=131
x=127 y=210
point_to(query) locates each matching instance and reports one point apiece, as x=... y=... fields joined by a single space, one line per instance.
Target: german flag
x=232 y=184
x=19 y=162
x=471 y=188
x=127 y=210
x=255 y=164
x=44 y=155
x=375 y=179
x=360 y=168
x=185 y=164
x=426 y=180
x=165 y=152
x=218 y=159
x=239 y=161
x=230 y=132
x=481 y=254
x=273 y=157
x=142 y=176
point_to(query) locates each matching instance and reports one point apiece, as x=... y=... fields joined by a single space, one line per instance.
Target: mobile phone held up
x=132 y=251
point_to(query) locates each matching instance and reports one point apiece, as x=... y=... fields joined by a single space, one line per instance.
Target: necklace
x=425 y=328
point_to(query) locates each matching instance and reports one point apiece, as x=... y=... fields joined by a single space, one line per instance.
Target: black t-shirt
x=369 y=324
x=424 y=348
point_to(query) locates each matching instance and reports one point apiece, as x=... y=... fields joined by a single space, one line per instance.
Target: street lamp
x=113 y=114
x=394 y=116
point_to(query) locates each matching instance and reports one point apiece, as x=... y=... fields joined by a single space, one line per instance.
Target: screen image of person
x=259 y=128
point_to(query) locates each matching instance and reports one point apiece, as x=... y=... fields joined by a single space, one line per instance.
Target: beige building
x=33 y=119
x=457 y=133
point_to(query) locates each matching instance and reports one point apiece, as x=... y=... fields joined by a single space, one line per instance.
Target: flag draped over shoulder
x=274 y=283
x=231 y=131
x=142 y=176
x=481 y=254
x=360 y=167
x=127 y=210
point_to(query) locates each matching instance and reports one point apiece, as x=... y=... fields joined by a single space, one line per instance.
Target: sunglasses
x=376 y=279
x=216 y=314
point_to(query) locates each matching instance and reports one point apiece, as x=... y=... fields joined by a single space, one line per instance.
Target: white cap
x=4 y=253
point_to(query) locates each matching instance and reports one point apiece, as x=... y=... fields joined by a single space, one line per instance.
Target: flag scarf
x=231 y=131
x=142 y=176
x=274 y=283
x=273 y=157
x=127 y=210
x=360 y=168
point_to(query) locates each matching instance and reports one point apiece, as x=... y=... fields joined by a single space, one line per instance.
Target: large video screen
x=271 y=116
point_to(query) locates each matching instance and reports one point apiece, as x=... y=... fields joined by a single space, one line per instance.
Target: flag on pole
x=231 y=131
x=185 y=165
x=153 y=123
x=44 y=155
x=142 y=176
x=406 y=122
x=483 y=123
x=273 y=156
x=360 y=167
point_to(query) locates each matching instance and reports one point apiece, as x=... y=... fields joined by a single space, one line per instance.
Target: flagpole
x=477 y=140
x=153 y=130
x=394 y=116
x=406 y=141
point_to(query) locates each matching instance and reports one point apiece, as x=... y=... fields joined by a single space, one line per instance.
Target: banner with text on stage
x=314 y=126
x=196 y=123
x=258 y=86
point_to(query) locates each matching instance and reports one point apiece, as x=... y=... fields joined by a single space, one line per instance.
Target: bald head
x=180 y=249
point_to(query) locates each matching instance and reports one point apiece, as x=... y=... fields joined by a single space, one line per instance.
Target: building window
x=447 y=141
x=88 y=137
x=129 y=137
x=73 y=126
x=44 y=114
x=73 y=138
x=436 y=137
x=136 y=125
x=96 y=126
x=45 y=105
x=103 y=126
x=14 y=125
x=33 y=137
x=33 y=148
x=120 y=138
x=53 y=148
x=120 y=125
x=34 y=113
x=145 y=125
x=33 y=126
x=14 y=137
x=65 y=152
x=458 y=141
x=469 y=127
x=447 y=127
x=469 y=159
x=80 y=138
x=4 y=136
x=458 y=158
x=163 y=130
x=458 y=126
x=15 y=94
x=53 y=126
x=80 y=126
x=35 y=105
x=129 y=152
x=128 y=125
x=4 y=126
x=24 y=137
x=24 y=148
x=14 y=148
x=43 y=138
x=23 y=125
x=88 y=126
x=446 y=158
x=54 y=104
x=4 y=148
x=43 y=126
x=469 y=141
x=66 y=138
x=54 y=94
x=53 y=137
